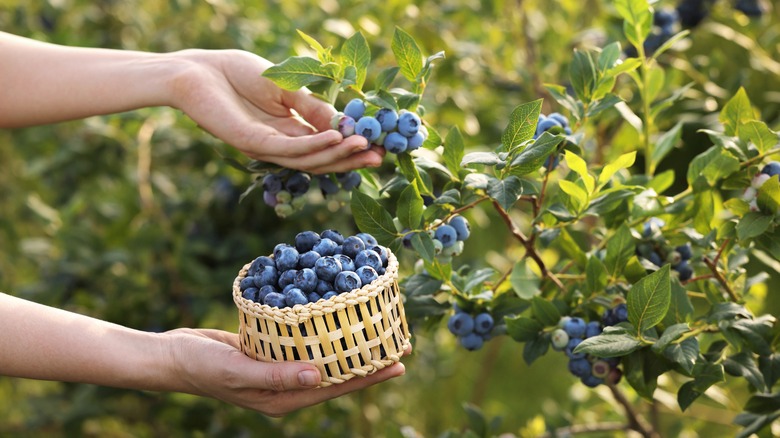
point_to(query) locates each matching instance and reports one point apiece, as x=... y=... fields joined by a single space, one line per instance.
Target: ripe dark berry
x=306 y=240
x=575 y=327
x=352 y=246
x=447 y=235
x=272 y=183
x=685 y=251
x=472 y=341
x=308 y=259
x=461 y=225
x=333 y=235
x=305 y=280
x=483 y=323
x=327 y=268
x=368 y=239
x=579 y=367
x=295 y=296
x=347 y=264
x=286 y=259
x=408 y=123
x=368 y=257
x=250 y=293
x=367 y=274
x=325 y=247
x=350 y=180
x=771 y=169
x=355 y=108
x=298 y=184
x=387 y=118
x=369 y=128
x=461 y=324
x=347 y=281
x=275 y=299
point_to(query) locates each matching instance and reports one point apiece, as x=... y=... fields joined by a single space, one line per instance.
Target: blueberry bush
x=583 y=197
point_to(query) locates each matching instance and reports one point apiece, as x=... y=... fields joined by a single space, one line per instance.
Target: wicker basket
x=352 y=334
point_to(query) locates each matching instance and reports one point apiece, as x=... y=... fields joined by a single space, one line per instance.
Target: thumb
x=282 y=376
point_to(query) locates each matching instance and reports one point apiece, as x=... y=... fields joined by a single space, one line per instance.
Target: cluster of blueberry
x=571 y=331
x=751 y=8
x=284 y=190
x=317 y=266
x=654 y=248
x=556 y=123
x=472 y=331
x=398 y=132
x=750 y=195
x=448 y=238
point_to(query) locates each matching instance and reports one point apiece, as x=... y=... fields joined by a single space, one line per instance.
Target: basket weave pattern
x=352 y=334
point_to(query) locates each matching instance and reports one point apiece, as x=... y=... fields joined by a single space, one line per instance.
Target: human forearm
x=41 y=342
x=46 y=83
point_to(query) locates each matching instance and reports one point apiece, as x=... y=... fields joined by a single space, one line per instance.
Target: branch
x=587 y=428
x=528 y=244
x=635 y=420
x=713 y=266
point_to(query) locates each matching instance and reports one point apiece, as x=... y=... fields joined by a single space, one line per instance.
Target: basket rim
x=322 y=305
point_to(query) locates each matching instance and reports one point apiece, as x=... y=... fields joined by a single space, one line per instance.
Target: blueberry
x=472 y=341
x=447 y=235
x=560 y=118
x=614 y=376
x=352 y=246
x=333 y=235
x=295 y=296
x=608 y=318
x=263 y=292
x=298 y=184
x=579 y=367
x=246 y=283
x=258 y=263
x=308 y=259
x=591 y=381
x=652 y=227
x=267 y=275
x=461 y=225
x=272 y=183
x=383 y=254
x=592 y=329
x=685 y=251
x=546 y=125
x=325 y=247
x=559 y=339
x=575 y=327
x=483 y=323
x=685 y=270
x=771 y=169
x=286 y=278
x=621 y=313
x=414 y=142
x=347 y=264
x=461 y=324
x=408 y=123
x=270 y=199
x=350 y=180
x=313 y=297
x=346 y=125
x=275 y=299
x=306 y=280
x=655 y=258
x=368 y=257
x=569 y=350
x=367 y=274
x=396 y=143
x=305 y=241
x=327 y=185
x=751 y=8
x=328 y=295
x=347 y=281
x=323 y=287
x=664 y=18
x=369 y=128
x=250 y=293
x=552 y=161
x=355 y=108
x=368 y=239
x=407 y=239
x=387 y=118
x=327 y=268
x=287 y=259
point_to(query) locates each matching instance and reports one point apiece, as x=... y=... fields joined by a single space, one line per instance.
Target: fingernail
x=309 y=378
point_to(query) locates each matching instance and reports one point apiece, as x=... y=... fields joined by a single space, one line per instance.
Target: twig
x=587 y=428
x=528 y=244
x=713 y=266
x=635 y=420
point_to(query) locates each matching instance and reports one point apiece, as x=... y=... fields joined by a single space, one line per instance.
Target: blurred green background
x=134 y=218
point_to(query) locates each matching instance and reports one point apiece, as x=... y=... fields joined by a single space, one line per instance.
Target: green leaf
x=421 y=284
x=595 y=275
x=483 y=158
x=763 y=403
x=666 y=143
x=578 y=165
x=769 y=195
x=532 y=157
x=641 y=369
x=680 y=306
x=620 y=248
x=582 y=73
x=506 y=191
x=648 y=300
x=622 y=162
x=410 y=207
x=578 y=198
x=559 y=93
x=752 y=225
x=299 y=71
x=637 y=19
x=545 y=311
x=758 y=133
x=453 y=150
x=608 y=201
x=743 y=365
x=704 y=211
x=523 y=329
x=372 y=218
x=386 y=77
x=425 y=306
x=382 y=99
x=672 y=333
x=522 y=124
x=757 y=333
x=535 y=348
x=707 y=374
x=407 y=54
x=609 y=345
x=477 y=278
x=357 y=53
x=770 y=368
x=442 y=271
x=599 y=106
x=609 y=56
x=476 y=419
x=322 y=53
x=713 y=164
x=683 y=354
x=737 y=111
x=524 y=282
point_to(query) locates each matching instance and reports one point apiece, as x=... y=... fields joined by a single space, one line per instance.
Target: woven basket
x=352 y=334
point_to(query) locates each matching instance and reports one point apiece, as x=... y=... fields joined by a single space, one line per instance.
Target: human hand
x=224 y=92
x=210 y=363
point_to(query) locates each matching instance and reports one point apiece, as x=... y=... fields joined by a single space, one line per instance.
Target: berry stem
x=635 y=420
x=759 y=157
x=528 y=244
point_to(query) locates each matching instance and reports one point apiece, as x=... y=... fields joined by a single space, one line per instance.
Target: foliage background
x=134 y=218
